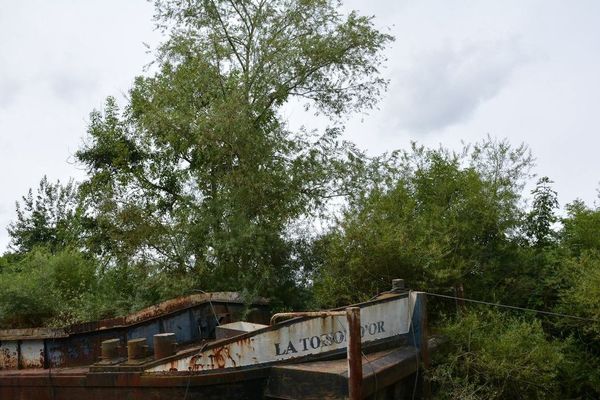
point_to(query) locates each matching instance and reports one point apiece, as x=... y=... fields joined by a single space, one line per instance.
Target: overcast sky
x=524 y=70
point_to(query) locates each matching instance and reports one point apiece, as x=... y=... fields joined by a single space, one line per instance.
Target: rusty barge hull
x=300 y=358
x=389 y=375
x=71 y=385
x=191 y=318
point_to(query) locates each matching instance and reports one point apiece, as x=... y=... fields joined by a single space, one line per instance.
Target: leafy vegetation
x=499 y=356
x=442 y=221
x=197 y=182
x=52 y=217
x=199 y=173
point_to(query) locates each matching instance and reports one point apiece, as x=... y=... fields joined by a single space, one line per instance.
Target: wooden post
x=354 y=354
x=425 y=349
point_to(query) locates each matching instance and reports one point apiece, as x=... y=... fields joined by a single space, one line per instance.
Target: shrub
x=498 y=356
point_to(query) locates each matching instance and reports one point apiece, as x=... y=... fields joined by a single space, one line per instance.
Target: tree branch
x=228 y=37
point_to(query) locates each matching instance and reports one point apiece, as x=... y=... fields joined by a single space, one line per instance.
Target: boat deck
x=392 y=371
x=321 y=380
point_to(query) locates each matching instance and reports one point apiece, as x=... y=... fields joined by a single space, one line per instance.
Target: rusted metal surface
x=354 y=351
x=9 y=355
x=158 y=310
x=387 y=374
x=307 y=314
x=236 y=328
x=307 y=381
x=190 y=318
x=110 y=349
x=354 y=348
x=21 y=354
x=232 y=368
x=296 y=338
x=31 y=333
x=32 y=354
x=162 y=309
x=398 y=284
x=164 y=345
x=180 y=303
x=77 y=384
x=78 y=350
x=137 y=349
x=320 y=380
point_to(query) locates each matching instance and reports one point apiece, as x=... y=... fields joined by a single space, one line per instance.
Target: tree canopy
x=51 y=218
x=199 y=170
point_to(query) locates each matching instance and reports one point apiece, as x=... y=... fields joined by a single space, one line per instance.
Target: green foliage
x=438 y=219
x=197 y=182
x=581 y=295
x=497 y=356
x=440 y=223
x=580 y=228
x=51 y=218
x=25 y=300
x=45 y=288
x=7 y=260
x=199 y=172
x=117 y=291
x=540 y=219
x=261 y=53
x=580 y=371
x=528 y=272
x=41 y=286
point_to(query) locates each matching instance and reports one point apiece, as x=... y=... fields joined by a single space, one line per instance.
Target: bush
x=497 y=356
x=25 y=298
x=582 y=295
x=41 y=286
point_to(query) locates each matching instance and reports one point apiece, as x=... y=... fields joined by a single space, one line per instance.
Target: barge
x=215 y=346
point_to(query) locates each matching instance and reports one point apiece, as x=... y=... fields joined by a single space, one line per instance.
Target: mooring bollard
x=110 y=349
x=136 y=349
x=164 y=345
x=398 y=284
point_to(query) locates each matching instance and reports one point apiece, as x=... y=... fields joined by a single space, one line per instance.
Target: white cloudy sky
x=526 y=70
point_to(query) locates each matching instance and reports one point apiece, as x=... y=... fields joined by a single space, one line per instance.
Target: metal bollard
x=136 y=349
x=398 y=284
x=110 y=349
x=164 y=345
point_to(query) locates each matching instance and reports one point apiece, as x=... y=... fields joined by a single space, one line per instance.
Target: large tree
x=199 y=170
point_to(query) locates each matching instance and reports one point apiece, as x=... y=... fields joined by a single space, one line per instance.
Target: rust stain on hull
x=9 y=358
x=191 y=318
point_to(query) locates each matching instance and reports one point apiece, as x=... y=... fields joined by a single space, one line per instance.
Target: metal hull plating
x=253 y=365
x=298 y=338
